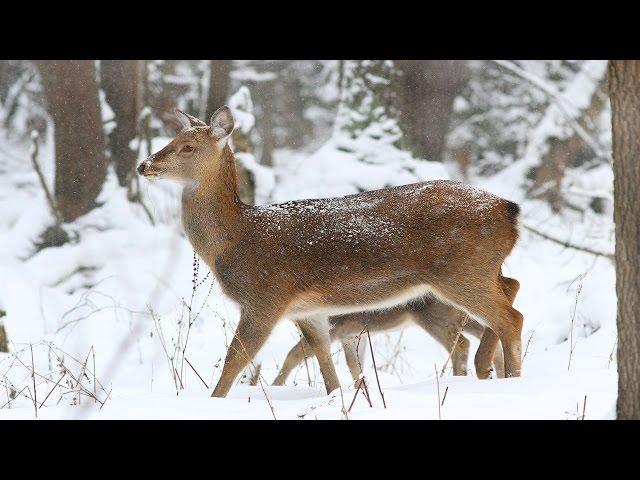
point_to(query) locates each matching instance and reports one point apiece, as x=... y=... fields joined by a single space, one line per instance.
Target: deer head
x=194 y=151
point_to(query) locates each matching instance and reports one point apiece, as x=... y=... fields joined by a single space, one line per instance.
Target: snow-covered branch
x=568 y=110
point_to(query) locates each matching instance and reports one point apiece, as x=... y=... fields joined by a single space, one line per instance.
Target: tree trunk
x=426 y=91
x=71 y=91
x=340 y=77
x=624 y=81
x=161 y=93
x=121 y=84
x=4 y=79
x=246 y=181
x=266 y=91
x=4 y=341
x=219 y=84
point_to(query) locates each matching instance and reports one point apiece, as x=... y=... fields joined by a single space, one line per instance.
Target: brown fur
x=309 y=259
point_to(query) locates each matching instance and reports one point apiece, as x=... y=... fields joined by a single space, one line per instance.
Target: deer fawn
x=307 y=260
x=443 y=322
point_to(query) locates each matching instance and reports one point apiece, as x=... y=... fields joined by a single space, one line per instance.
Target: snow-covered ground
x=92 y=299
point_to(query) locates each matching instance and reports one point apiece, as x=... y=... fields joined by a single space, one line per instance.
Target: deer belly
x=317 y=304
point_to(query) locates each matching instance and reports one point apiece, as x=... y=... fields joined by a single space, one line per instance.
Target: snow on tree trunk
x=624 y=77
x=242 y=108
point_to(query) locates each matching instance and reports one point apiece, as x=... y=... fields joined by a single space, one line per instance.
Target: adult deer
x=446 y=324
x=307 y=260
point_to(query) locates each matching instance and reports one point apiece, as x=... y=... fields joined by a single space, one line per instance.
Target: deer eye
x=187 y=149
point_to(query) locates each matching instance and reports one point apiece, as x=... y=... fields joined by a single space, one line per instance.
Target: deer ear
x=189 y=121
x=221 y=124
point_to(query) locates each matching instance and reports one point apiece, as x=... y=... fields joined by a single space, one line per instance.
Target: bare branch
x=35 y=149
x=568 y=244
x=375 y=369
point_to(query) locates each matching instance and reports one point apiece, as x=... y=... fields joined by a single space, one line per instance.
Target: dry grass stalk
x=573 y=318
x=361 y=380
x=375 y=369
x=438 y=387
x=196 y=372
x=526 y=349
x=613 y=353
x=343 y=410
x=176 y=358
x=33 y=377
x=69 y=382
x=444 y=397
x=355 y=396
x=163 y=343
x=306 y=364
x=54 y=387
x=395 y=358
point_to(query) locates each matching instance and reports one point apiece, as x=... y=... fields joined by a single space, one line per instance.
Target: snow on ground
x=99 y=292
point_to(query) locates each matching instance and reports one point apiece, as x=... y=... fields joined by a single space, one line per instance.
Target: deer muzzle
x=148 y=168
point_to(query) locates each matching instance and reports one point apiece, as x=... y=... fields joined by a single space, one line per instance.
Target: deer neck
x=211 y=209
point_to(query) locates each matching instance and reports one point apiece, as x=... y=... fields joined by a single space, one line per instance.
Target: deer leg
x=316 y=333
x=506 y=328
x=254 y=374
x=294 y=358
x=510 y=287
x=445 y=332
x=486 y=353
x=483 y=362
x=355 y=349
x=498 y=360
x=250 y=336
x=510 y=335
x=492 y=305
x=460 y=357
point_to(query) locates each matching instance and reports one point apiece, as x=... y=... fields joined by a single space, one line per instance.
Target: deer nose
x=141 y=168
